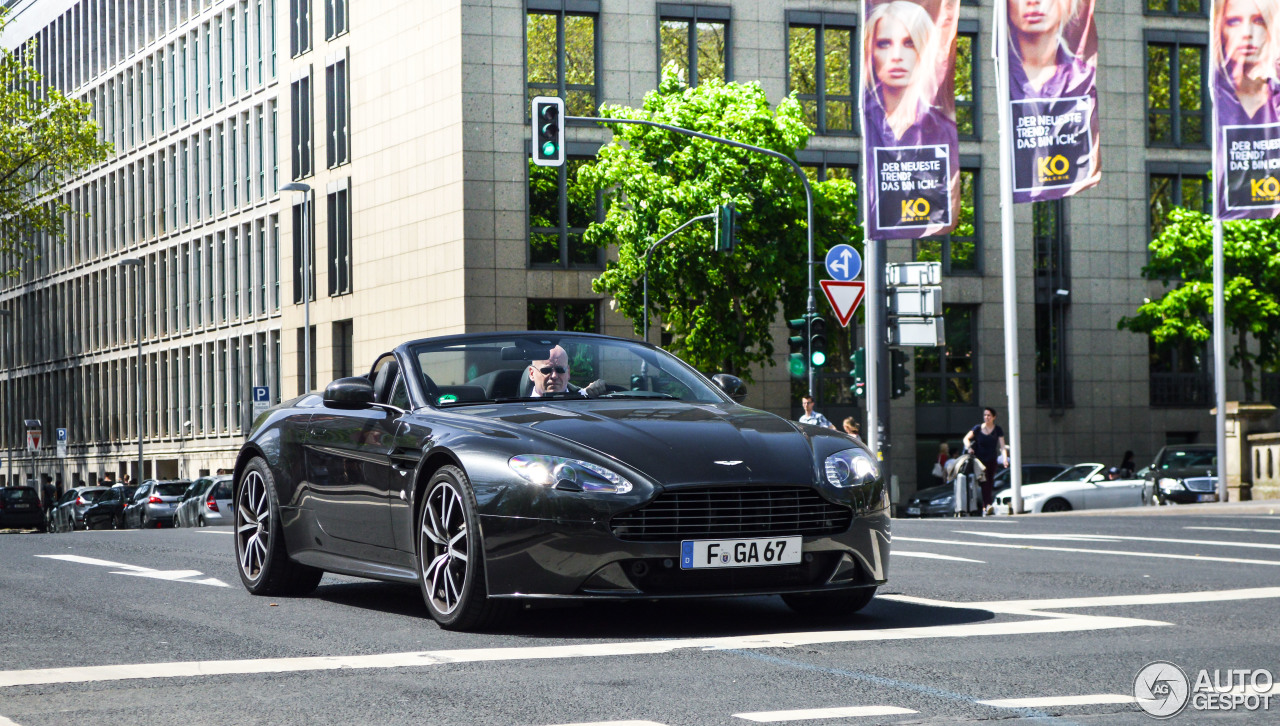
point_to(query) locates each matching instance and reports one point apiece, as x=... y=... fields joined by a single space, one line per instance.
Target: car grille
x=722 y=512
x=1201 y=484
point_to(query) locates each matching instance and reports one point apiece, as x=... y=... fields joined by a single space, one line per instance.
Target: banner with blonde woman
x=911 y=148
x=1052 y=59
x=1243 y=44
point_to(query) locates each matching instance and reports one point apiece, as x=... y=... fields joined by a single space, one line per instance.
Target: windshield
x=1184 y=459
x=1079 y=472
x=553 y=365
x=19 y=495
x=170 y=490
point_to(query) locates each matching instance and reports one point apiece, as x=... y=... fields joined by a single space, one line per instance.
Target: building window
x=343 y=345
x=822 y=67
x=1175 y=185
x=696 y=39
x=945 y=375
x=299 y=27
x=559 y=214
x=306 y=384
x=335 y=18
x=573 y=316
x=1177 y=91
x=966 y=80
x=298 y=264
x=959 y=252
x=338 y=144
x=1271 y=388
x=1053 y=298
x=1179 y=375
x=340 y=240
x=300 y=102
x=560 y=56
x=1192 y=8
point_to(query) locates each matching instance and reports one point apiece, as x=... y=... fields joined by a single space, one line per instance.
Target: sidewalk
x=1261 y=508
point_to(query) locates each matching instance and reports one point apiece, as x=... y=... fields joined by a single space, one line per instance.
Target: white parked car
x=1083 y=486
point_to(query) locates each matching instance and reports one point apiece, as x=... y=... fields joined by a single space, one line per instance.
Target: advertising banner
x=1246 y=100
x=911 y=165
x=1052 y=59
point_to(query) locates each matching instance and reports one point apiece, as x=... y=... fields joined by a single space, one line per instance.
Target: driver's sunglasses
x=547 y=371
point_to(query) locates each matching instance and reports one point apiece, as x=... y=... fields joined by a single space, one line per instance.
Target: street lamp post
x=137 y=296
x=8 y=372
x=306 y=280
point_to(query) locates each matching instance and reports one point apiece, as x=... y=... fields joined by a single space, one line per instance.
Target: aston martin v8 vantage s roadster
x=494 y=468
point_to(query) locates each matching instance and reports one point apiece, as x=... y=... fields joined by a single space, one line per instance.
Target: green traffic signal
x=817 y=341
x=898 y=374
x=727 y=221
x=796 y=365
x=548 y=131
x=859 y=372
x=799 y=344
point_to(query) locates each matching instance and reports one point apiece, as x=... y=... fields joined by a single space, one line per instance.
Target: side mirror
x=731 y=385
x=1097 y=477
x=355 y=392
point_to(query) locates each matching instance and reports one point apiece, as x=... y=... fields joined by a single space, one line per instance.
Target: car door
x=348 y=461
x=133 y=515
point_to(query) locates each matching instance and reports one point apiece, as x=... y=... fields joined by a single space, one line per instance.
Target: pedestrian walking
x=986 y=442
x=940 y=467
x=851 y=428
x=812 y=417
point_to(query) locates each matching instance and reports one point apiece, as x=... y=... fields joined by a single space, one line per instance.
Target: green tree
x=45 y=137
x=718 y=308
x=1182 y=258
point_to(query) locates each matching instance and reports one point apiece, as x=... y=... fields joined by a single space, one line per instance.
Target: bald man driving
x=552 y=376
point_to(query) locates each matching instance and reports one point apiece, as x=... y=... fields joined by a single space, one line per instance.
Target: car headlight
x=946 y=501
x=568 y=474
x=851 y=468
x=1171 y=484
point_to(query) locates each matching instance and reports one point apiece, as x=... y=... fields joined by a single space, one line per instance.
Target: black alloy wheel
x=1056 y=505
x=840 y=604
x=451 y=555
x=264 y=564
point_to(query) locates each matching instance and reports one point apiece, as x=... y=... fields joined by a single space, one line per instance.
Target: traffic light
x=799 y=346
x=726 y=227
x=898 y=374
x=859 y=372
x=817 y=341
x=548 y=131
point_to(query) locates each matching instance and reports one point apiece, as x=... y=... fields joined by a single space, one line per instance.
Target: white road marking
x=1156 y=555
x=1161 y=598
x=136 y=571
x=1121 y=538
x=224 y=531
x=933 y=556
x=6 y=722
x=604 y=723
x=807 y=714
x=1051 y=701
x=1237 y=529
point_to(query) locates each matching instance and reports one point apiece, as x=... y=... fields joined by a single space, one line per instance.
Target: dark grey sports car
x=473 y=466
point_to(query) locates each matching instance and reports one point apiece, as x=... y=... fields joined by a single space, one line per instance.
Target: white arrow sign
x=123 y=569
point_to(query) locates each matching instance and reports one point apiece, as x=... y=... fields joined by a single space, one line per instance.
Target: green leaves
x=717 y=308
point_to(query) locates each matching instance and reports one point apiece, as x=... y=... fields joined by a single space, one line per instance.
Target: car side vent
x=722 y=512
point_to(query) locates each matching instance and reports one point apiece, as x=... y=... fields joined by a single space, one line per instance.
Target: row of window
x=195 y=390
x=335 y=23
x=337 y=115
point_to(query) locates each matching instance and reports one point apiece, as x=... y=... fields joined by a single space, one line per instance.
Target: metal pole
x=8 y=373
x=1008 y=268
x=1219 y=359
x=645 y=264
x=306 y=292
x=137 y=295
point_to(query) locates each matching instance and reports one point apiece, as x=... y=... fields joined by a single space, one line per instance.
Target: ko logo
x=915 y=209
x=1161 y=689
x=1053 y=166
x=1264 y=189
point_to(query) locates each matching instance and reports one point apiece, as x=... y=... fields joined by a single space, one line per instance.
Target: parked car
x=1182 y=474
x=68 y=514
x=108 y=511
x=207 y=502
x=1083 y=486
x=939 y=501
x=20 y=509
x=153 y=504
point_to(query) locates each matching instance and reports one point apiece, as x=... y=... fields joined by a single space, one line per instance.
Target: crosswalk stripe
x=1051 y=701
x=934 y=556
x=1087 y=551
x=614 y=723
x=807 y=714
x=1236 y=529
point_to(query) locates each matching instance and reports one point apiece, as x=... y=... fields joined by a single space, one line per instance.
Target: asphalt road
x=980 y=615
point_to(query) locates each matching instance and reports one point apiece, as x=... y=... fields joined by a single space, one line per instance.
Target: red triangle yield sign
x=844 y=297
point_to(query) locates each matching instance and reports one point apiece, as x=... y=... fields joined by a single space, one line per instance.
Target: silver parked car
x=152 y=505
x=206 y=502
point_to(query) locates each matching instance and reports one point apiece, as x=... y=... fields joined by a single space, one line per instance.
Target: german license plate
x=709 y=553
x=22 y=506
x=913 y=510
x=1207 y=498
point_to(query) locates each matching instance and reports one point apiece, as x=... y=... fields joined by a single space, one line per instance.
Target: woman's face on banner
x=894 y=53
x=1244 y=32
x=1036 y=17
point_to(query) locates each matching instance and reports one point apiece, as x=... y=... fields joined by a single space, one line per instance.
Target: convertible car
x=475 y=467
x=1083 y=486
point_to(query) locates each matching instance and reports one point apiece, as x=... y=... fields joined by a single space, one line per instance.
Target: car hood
x=1190 y=472
x=931 y=493
x=675 y=441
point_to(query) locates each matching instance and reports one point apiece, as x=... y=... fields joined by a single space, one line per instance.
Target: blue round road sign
x=843 y=263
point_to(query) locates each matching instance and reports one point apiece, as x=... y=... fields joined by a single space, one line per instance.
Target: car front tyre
x=830 y=604
x=451 y=555
x=264 y=564
x=1056 y=505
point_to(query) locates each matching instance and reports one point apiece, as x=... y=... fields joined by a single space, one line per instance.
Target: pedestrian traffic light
x=799 y=343
x=817 y=341
x=859 y=372
x=726 y=227
x=548 y=131
x=898 y=374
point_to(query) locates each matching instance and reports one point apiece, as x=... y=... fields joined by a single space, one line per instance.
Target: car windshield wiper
x=640 y=394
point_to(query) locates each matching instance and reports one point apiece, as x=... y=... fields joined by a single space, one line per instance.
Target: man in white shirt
x=813 y=417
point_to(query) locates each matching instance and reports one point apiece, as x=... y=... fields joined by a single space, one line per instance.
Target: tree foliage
x=717 y=307
x=45 y=137
x=1182 y=258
